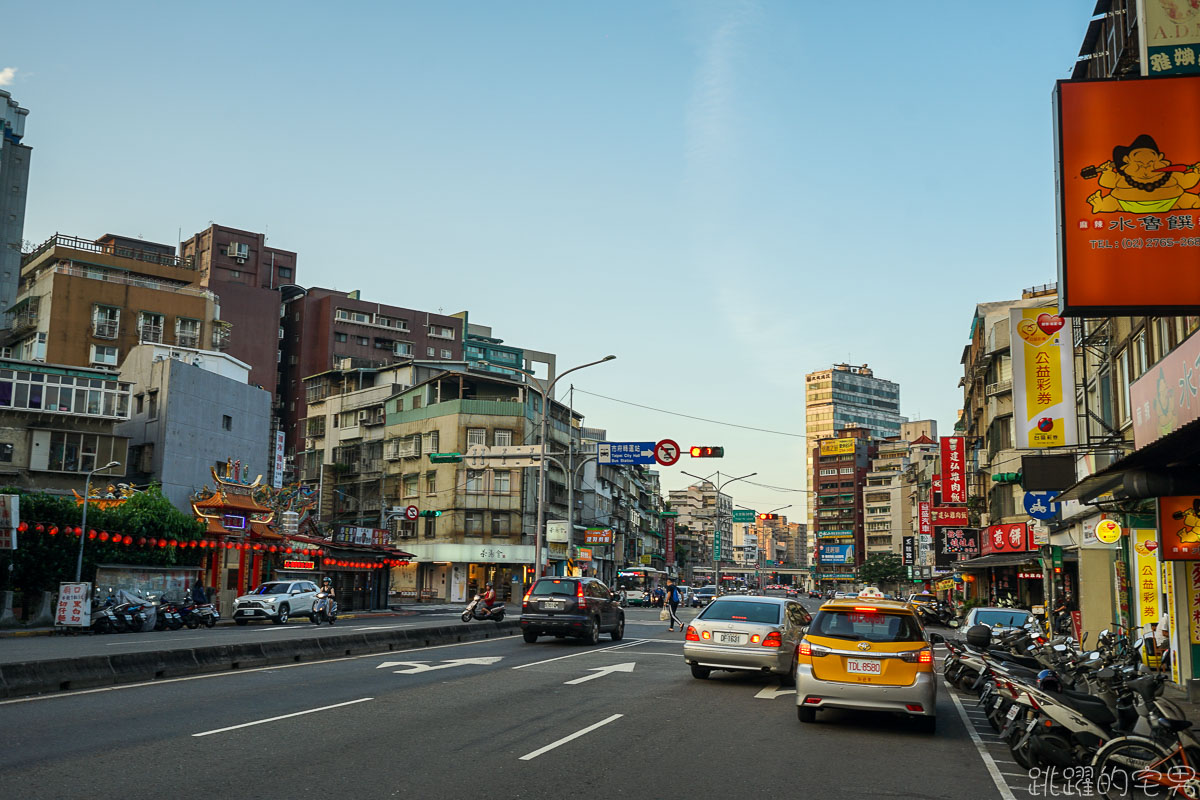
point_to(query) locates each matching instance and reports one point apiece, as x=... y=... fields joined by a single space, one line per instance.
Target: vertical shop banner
x=925 y=521
x=669 y=534
x=1170 y=43
x=1168 y=576
x=1146 y=569
x=1194 y=601
x=1043 y=370
x=10 y=518
x=953 y=472
x=1121 y=589
x=1168 y=396
x=909 y=551
x=1179 y=528
x=277 y=477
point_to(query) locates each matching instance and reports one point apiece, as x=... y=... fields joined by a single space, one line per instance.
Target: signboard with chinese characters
x=924 y=519
x=74 y=605
x=1127 y=208
x=836 y=553
x=944 y=516
x=741 y=515
x=298 y=564
x=10 y=518
x=598 y=536
x=557 y=531
x=837 y=447
x=668 y=524
x=584 y=553
x=277 y=476
x=349 y=534
x=953 y=470
x=953 y=542
x=1179 y=528
x=908 y=550
x=1012 y=538
x=1043 y=370
x=1145 y=566
x=625 y=453
x=1194 y=602
x=1170 y=40
x=1168 y=396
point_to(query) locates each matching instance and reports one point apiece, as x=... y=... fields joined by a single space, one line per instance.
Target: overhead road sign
x=625 y=452
x=743 y=515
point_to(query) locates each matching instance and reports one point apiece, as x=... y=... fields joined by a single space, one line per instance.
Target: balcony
x=150 y=333
x=26 y=316
x=105 y=328
x=222 y=332
x=88 y=246
x=998 y=387
x=188 y=339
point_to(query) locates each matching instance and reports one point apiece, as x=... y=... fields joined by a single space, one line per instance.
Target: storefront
x=441 y=572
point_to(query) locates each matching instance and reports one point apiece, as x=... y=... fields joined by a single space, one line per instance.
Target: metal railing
x=997 y=387
x=150 y=333
x=122 y=251
x=141 y=282
x=105 y=328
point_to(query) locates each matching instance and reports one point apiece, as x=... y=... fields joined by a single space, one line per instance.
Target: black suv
x=580 y=607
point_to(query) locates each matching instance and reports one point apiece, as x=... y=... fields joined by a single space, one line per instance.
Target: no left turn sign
x=410 y=512
x=666 y=452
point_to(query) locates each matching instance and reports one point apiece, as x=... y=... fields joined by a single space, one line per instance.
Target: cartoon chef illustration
x=1141 y=180
x=1190 y=517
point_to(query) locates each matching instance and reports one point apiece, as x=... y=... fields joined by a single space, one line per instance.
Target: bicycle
x=1140 y=767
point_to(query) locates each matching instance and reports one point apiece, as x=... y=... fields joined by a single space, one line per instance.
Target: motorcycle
x=167 y=616
x=324 y=609
x=477 y=610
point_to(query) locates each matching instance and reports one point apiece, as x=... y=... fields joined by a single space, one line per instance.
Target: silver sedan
x=746 y=633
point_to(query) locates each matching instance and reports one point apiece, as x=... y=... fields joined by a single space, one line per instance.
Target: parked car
x=277 y=601
x=704 y=596
x=872 y=657
x=578 y=607
x=999 y=619
x=751 y=633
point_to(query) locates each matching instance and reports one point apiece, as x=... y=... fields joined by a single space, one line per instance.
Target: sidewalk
x=415 y=609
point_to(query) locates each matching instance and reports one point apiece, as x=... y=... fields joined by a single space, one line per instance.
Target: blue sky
x=724 y=195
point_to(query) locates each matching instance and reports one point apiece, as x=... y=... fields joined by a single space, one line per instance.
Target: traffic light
x=1007 y=477
x=445 y=458
x=768 y=516
x=707 y=452
x=431 y=513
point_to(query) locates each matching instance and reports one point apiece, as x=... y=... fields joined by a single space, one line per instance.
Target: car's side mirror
x=297 y=591
x=937 y=638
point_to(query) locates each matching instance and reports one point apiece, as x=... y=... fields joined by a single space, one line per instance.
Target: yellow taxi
x=868 y=654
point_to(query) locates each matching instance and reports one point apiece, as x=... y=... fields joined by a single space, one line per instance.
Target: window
x=138 y=404
x=6 y=452
x=846 y=471
x=339 y=337
x=475 y=481
x=429 y=351
x=83 y=452
x=502 y=438
x=447 y=354
x=362 y=340
x=1140 y=356
x=285 y=273
x=429 y=441
x=102 y=354
x=1162 y=337
x=830 y=471
x=403 y=349
x=150 y=327
x=430 y=527
x=227 y=422
x=187 y=332
x=499 y=524
x=410 y=485
x=1121 y=378
x=441 y=332
x=476 y=436
x=431 y=482
x=351 y=316
x=501 y=482
x=106 y=321
x=473 y=523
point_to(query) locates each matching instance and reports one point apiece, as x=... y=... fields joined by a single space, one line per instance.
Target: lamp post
x=87 y=491
x=541 y=498
x=717 y=532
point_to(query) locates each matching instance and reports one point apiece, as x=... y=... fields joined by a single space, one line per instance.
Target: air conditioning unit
x=362 y=415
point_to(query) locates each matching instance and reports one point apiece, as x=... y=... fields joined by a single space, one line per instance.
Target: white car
x=277 y=601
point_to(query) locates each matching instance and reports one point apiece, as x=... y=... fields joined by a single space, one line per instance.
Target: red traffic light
x=768 y=516
x=707 y=452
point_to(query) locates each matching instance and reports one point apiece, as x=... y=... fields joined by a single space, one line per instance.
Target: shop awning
x=1166 y=466
x=997 y=560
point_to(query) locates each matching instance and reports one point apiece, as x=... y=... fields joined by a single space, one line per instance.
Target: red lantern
x=40 y=527
x=128 y=540
x=91 y=534
x=271 y=548
x=78 y=531
x=257 y=546
x=141 y=541
x=22 y=527
x=103 y=535
x=202 y=544
x=53 y=531
x=287 y=549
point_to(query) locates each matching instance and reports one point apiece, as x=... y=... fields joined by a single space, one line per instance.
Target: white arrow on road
x=601 y=671
x=770 y=694
x=423 y=666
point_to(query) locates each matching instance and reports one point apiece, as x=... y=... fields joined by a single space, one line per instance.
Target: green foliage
x=42 y=561
x=881 y=568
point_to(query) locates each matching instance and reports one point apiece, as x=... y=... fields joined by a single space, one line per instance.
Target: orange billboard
x=1128 y=161
x=1179 y=528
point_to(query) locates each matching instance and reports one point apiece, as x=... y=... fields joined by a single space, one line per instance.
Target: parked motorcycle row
x=1057 y=705
x=937 y=613
x=126 y=612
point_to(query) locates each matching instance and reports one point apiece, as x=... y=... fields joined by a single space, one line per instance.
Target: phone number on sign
x=1139 y=244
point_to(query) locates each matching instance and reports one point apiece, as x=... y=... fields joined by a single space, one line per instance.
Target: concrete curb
x=25 y=678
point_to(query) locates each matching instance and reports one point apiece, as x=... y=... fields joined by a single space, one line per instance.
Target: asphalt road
x=497 y=718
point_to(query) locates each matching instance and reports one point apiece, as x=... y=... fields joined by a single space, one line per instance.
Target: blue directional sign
x=625 y=453
x=1039 y=506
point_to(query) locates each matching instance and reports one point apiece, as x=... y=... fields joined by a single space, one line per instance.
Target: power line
x=689 y=416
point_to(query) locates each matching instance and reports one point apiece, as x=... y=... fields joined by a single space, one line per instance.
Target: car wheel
x=239 y=621
x=618 y=632
x=806 y=714
x=282 y=617
x=530 y=637
x=700 y=673
x=789 y=678
x=593 y=632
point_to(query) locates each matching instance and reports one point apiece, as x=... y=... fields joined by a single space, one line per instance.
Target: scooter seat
x=1176 y=725
x=1092 y=708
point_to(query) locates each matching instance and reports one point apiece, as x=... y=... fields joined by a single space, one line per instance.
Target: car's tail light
x=810 y=650
x=525 y=599
x=755 y=638
x=580 y=600
x=926 y=656
x=691 y=634
x=866 y=610
x=773 y=639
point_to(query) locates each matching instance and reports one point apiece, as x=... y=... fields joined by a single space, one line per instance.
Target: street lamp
x=87 y=491
x=541 y=504
x=717 y=532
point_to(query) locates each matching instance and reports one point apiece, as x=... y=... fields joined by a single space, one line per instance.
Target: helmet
x=326 y=580
x=1048 y=681
x=488 y=585
x=979 y=636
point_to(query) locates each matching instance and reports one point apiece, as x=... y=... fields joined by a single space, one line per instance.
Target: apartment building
x=14 y=177
x=842 y=463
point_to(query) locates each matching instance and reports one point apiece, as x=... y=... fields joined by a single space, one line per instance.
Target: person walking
x=671 y=599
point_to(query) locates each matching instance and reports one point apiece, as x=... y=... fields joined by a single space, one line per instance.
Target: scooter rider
x=489 y=596
x=327 y=588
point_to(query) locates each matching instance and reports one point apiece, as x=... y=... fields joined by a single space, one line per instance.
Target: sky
x=724 y=195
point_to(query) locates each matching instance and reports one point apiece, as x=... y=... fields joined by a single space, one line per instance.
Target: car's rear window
x=871 y=626
x=543 y=588
x=1007 y=619
x=740 y=611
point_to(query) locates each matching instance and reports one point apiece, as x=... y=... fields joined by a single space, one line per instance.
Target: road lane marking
x=423 y=666
x=769 y=693
x=598 y=672
x=283 y=716
x=988 y=761
x=135 y=641
x=573 y=736
x=233 y=672
x=621 y=646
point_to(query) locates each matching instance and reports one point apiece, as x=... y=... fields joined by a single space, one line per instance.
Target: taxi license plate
x=730 y=638
x=1012 y=712
x=864 y=666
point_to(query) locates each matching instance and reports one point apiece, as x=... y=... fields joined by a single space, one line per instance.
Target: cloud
x=6 y=76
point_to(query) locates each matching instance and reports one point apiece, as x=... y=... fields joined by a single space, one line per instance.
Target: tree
x=881 y=568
